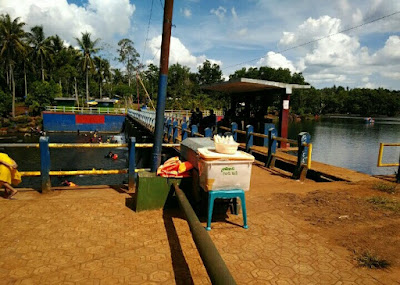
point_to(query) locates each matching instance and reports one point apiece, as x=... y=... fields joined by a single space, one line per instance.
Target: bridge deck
x=90 y=236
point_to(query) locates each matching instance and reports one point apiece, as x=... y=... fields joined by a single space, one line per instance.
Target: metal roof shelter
x=257 y=86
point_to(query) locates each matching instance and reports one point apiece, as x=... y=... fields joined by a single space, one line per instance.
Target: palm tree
x=11 y=37
x=88 y=47
x=41 y=46
x=103 y=72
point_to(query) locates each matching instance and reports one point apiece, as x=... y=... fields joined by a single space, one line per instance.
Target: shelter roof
x=242 y=85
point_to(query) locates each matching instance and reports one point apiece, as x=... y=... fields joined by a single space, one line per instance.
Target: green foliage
x=5 y=103
x=42 y=94
x=370 y=260
x=385 y=187
x=385 y=203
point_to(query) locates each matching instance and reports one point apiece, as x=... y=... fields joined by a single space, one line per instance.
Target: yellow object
x=380 y=155
x=8 y=174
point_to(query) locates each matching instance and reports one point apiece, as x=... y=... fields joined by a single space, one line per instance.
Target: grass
x=385 y=203
x=385 y=187
x=370 y=260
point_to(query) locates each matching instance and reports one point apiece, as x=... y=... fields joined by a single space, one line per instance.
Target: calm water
x=74 y=159
x=351 y=143
x=342 y=142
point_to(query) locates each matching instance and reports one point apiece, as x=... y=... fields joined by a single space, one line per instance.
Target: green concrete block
x=152 y=191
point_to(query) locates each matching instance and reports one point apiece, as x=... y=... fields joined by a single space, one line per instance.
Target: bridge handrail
x=45 y=171
x=86 y=110
x=172 y=126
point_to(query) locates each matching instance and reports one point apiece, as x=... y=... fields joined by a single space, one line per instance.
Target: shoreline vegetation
x=38 y=68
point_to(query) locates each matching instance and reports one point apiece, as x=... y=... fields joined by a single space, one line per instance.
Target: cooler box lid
x=207 y=153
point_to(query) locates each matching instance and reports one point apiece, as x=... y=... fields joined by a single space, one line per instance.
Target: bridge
x=91 y=234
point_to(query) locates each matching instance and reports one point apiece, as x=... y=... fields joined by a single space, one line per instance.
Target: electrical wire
x=147 y=35
x=321 y=38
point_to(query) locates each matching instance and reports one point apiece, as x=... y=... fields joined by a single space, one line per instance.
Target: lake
x=349 y=142
x=344 y=142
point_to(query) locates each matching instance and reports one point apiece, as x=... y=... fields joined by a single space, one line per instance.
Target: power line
x=161 y=4
x=148 y=28
x=324 y=37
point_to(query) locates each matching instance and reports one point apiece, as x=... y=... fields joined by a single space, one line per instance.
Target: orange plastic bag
x=173 y=167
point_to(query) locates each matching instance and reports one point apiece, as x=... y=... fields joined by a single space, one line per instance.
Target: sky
x=304 y=36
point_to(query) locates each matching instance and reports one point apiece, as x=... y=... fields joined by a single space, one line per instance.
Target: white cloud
x=186 y=12
x=102 y=18
x=234 y=14
x=219 y=12
x=339 y=58
x=178 y=54
x=276 y=60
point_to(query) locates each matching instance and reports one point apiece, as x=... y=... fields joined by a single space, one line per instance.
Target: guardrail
x=45 y=171
x=86 y=110
x=176 y=130
x=381 y=164
x=270 y=136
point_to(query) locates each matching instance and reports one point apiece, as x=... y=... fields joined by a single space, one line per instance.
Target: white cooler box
x=223 y=171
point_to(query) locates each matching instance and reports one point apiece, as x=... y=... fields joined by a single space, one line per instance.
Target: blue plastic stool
x=226 y=194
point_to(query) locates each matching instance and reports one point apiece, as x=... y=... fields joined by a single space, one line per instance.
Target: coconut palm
x=103 y=72
x=42 y=49
x=87 y=47
x=12 y=45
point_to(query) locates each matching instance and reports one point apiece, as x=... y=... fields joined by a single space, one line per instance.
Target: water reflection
x=352 y=144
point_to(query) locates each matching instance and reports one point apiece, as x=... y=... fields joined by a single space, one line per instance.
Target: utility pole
x=162 y=85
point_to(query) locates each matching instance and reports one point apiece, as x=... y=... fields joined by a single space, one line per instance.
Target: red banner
x=89 y=119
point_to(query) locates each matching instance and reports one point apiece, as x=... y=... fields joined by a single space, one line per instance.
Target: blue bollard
x=267 y=126
x=194 y=130
x=132 y=163
x=208 y=133
x=234 y=127
x=184 y=133
x=169 y=128
x=302 y=153
x=175 y=131
x=271 y=145
x=45 y=164
x=249 y=137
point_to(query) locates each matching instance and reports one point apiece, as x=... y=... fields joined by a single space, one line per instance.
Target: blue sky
x=238 y=34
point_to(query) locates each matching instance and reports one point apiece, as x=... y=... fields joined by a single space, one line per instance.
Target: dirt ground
x=346 y=217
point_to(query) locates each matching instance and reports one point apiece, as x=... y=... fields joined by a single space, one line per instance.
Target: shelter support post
x=284 y=115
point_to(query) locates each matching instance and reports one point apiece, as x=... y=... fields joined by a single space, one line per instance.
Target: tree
x=42 y=94
x=102 y=72
x=42 y=49
x=129 y=56
x=12 y=46
x=209 y=74
x=88 y=47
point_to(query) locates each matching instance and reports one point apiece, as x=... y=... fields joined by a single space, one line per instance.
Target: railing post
x=169 y=127
x=132 y=163
x=194 y=131
x=234 y=127
x=249 y=137
x=184 y=133
x=398 y=173
x=45 y=164
x=302 y=138
x=208 y=133
x=267 y=126
x=175 y=131
x=271 y=145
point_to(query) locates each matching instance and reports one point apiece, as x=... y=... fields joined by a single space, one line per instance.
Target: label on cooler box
x=225 y=175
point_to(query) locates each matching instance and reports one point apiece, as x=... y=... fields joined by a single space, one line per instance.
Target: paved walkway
x=90 y=236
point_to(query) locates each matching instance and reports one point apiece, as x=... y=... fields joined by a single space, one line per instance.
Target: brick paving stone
x=89 y=236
